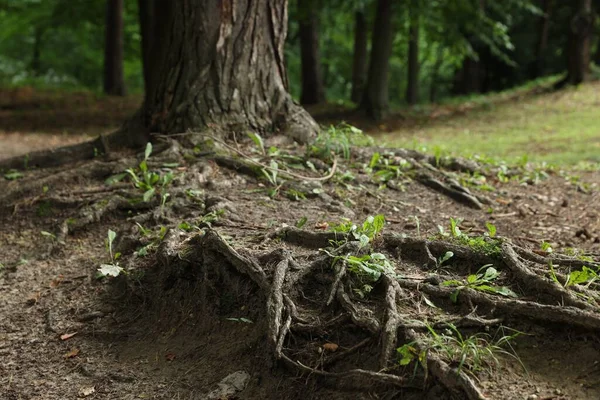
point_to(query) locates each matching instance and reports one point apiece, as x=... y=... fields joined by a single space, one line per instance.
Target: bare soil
x=173 y=327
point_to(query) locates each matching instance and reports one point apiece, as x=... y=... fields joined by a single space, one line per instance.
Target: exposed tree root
x=296 y=321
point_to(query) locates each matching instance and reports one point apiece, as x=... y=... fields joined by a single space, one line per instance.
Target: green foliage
x=482 y=281
x=337 y=141
x=364 y=233
x=151 y=183
x=482 y=244
x=470 y=354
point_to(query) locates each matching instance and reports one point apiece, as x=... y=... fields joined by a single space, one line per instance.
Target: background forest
x=437 y=49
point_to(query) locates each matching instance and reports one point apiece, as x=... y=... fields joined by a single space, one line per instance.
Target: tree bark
x=544 y=28
x=359 y=62
x=114 y=82
x=313 y=91
x=412 y=88
x=219 y=65
x=578 y=44
x=375 y=100
x=147 y=28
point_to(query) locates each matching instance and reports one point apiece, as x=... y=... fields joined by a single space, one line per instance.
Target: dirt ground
x=66 y=334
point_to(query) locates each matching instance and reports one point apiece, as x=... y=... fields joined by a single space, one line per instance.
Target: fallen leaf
x=57 y=281
x=170 y=356
x=67 y=336
x=72 y=353
x=321 y=225
x=332 y=347
x=33 y=299
x=86 y=391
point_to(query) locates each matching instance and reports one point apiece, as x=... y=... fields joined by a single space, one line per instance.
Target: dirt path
x=14 y=144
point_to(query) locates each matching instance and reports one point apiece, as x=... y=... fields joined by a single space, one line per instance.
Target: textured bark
x=313 y=91
x=359 y=61
x=412 y=89
x=375 y=101
x=544 y=27
x=147 y=28
x=114 y=82
x=219 y=64
x=578 y=52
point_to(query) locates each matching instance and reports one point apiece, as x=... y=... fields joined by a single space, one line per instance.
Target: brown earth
x=129 y=343
x=173 y=327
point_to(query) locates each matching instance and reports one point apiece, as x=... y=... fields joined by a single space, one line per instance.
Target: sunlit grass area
x=558 y=127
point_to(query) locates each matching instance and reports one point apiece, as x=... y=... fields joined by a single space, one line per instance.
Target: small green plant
x=546 y=247
x=301 y=222
x=111 y=269
x=13 y=175
x=258 y=141
x=482 y=281
x=366 y=232
x=150 y=182
x=448 y=255
x=487 y=244
x=491 y=229
x=337 y=140
x=471 y=354
x=586 y=276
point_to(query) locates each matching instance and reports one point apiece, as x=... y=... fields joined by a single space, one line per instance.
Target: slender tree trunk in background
x=219 y=65
x=114 y=82
x=313 y=91
x=544 y=27
x=578 y=43
x=435 y=74
x=375 y=101
x=359 y=62
x=36 y=63
x=412 y=89
x=146 y=17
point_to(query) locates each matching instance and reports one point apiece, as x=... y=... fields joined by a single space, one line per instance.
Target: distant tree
x=578 y=43
x=375 y=101
x=412 y=88
x=360 y=54
x=313 y=90
x=546 y=7
x=114 y=82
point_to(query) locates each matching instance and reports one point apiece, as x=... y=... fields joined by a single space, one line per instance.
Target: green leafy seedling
x=112 y=269
x=482 y=281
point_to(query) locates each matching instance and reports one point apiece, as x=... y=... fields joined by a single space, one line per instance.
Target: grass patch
x=554 y=127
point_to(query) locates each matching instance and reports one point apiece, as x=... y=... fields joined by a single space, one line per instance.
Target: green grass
x=560 y=127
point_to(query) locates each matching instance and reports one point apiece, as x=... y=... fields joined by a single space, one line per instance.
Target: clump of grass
x=471 y=354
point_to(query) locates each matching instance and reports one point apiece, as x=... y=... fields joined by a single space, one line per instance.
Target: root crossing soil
x=241 y=280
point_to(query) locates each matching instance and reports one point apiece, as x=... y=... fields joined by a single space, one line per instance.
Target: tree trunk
x=544 y=27
x=412 y=89
x=36 y=62
x=313 y=91
x=219 y=65
x=375 y=100
x=114 y=82
x=435 y=74
x=147 y=28
x=578 y=51
x=359 y=62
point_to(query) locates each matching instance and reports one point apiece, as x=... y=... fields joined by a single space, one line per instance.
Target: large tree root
x=305 y=302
